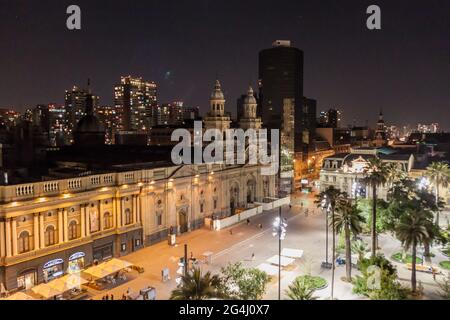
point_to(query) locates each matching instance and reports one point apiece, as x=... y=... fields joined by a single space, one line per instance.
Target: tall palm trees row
x=413 y=226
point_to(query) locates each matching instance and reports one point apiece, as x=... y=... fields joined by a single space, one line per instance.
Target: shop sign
x=76 y=256
x=53 y=263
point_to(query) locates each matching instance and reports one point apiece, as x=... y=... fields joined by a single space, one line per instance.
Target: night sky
x=403 y=69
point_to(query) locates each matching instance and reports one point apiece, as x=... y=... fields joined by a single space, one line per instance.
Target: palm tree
x=328 y=199
x=348 y=218
x=195 y=286
x=412 y=230
x=301 y=289
x=394 y=173
x=376 y=175
x=439 y=175
x=360 y=247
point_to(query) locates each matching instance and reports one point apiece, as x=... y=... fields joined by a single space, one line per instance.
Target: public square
x=303 y=232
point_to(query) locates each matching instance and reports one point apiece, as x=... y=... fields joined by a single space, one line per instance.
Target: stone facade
x=113 y=214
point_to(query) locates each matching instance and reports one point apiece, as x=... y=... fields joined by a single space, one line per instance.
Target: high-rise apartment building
x=135 y=100
x=75 y=105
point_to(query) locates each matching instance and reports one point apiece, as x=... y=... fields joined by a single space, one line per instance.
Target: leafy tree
x=242 y=283
x=195 y=286
x=406 y=196
x=301 y=289
x=348 y=219
x=376 y=174
x=439 y=175
x=365 y=206
x=444 y=287
x=378 y=280
x=328 y=200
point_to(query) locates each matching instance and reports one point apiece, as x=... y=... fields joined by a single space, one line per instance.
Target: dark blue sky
x=403 y=69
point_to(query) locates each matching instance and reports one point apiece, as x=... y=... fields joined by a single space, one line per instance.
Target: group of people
x=108 y=297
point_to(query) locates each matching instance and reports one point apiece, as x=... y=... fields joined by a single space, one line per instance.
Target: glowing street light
x=279 y=230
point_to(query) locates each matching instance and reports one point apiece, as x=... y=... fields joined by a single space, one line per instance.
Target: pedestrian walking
x=260 y=226
x=231 y=231
x=112 y=297
x=253 y=257
x=248 y=221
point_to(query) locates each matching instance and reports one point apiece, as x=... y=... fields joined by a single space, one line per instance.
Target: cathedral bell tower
x=216 y=118
x=250 y=121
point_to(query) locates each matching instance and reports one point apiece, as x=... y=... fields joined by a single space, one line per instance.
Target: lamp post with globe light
x=279 y=229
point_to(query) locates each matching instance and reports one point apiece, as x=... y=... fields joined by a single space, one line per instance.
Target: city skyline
x=352 y=73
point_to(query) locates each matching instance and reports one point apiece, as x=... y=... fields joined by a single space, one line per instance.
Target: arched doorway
x=182 y=221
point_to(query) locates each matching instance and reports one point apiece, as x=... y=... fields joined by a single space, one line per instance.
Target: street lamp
x=279 y=229
x=326 y=206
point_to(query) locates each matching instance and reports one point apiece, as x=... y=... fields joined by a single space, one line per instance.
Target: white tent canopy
x=107 y=268
x=292 y=253
x=268 y=268
x=284 y=260
x=46 y=291
x=19 y=296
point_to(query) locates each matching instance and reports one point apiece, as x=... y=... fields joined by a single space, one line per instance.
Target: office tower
x=191 y=113
x=109 y=118
x=135 y=99
x=330 y=118
x=281 y=77
x=176 y=113
x=162 y=114
x=75 y=105
x=309 y=122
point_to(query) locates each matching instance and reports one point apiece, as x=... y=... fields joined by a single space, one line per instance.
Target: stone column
x=14 y=236
x=100 y=215
x=8 y=239
x=114 y=212
x=41 y=230
x=139 y=208
x=65 y=226
x=2 y=239
x=119 y=212
x=83 y=221
x=134 y=207
x=88 y=222
x=60 y=227
x=36 y=231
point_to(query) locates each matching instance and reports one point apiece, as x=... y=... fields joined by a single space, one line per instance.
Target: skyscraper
x=281 y=77
x=75 y=105
x=135 y=99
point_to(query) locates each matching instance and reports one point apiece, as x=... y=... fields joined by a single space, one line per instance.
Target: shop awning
x=107 y=268
x=59 y=286
x=19 y=296
x=68 y=282
x=46 y=291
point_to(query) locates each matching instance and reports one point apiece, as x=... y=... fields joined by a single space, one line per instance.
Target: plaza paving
x=303 y=232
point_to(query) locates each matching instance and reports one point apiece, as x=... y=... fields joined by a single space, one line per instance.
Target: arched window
x=74 y=230
x=128 y=217
x=50 y=236
x=24 y=242
x=107 y=220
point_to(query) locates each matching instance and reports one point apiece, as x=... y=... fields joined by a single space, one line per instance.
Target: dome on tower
x=217 y=93
x=250 y=98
